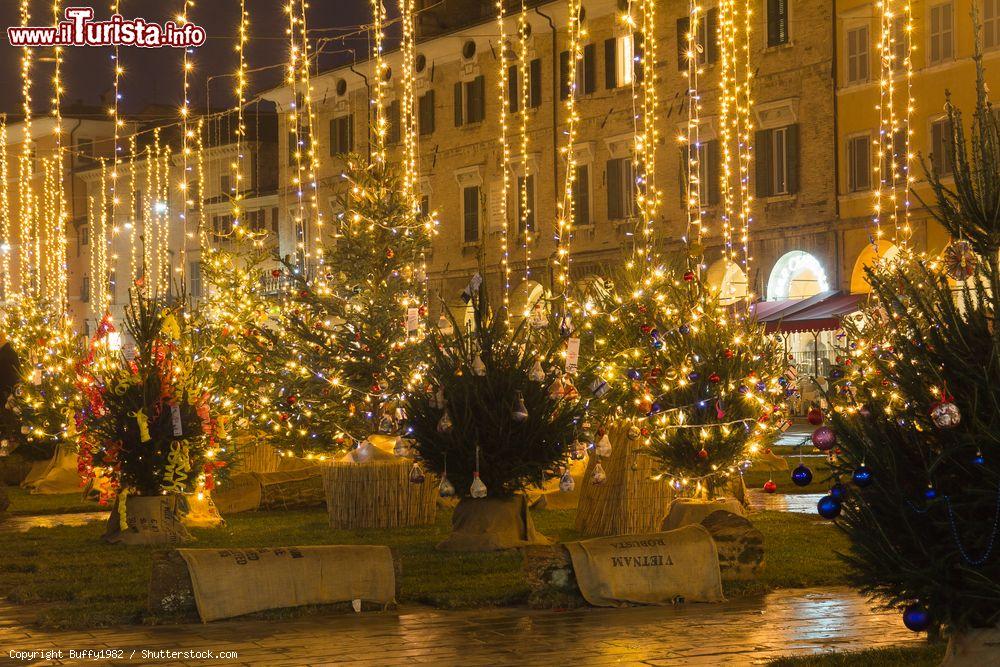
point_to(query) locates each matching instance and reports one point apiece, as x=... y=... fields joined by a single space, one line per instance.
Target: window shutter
x=614 y=176
x=712 y=35
x=589 y=68
x=638 y=71
x=513 y=90
x=762 y=173
x=564 y=75
x=427 y=113
x=792 y=157
x=682 y=173
x=334 y=137
x=682 y=31
x=535 y=91
x=610 y=63
x=349 y=121
x=581 y=196
x=714 y=185
x=459 y=115
x=394 y=124
x=477 y=110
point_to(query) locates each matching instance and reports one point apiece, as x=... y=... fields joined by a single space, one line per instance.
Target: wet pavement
x=24 y=523
x=746 y=632
x=798 y=503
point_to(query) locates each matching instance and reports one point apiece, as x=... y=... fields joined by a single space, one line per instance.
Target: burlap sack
x=686 y=511
x=648 y=569
x=150 y=520
x=234 y=582
x=768 y=461
x=551 y=498
x=202 y=512
x=62 y=474
x=240 y=493
x=973 y=648
x=37 y=472
x=492 y=524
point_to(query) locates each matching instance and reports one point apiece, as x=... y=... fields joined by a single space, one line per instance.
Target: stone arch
x=796 y=275
x=868 y=257
x=728 y=279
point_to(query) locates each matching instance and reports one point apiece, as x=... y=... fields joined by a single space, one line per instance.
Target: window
x=194 y=279
x=777 y=164
x=991 y=23
x=777 y=22
x=581 y=196
x=471 y=205
x=425 y=111
x=586 y=73
x=274 y=220
x=900 y=41
x=394 y=133
x=222 y=224
x=515 y=89
x=140 y=208
x=470 y=101
x=942 y=46
x=621 y=188
x=225 y=185
x=342 y=135
x=894 y=163
x=859 y=163
x=85 y=289
x=707 y=37
x=857 y=54
x=425 y=205
x=940 y=146
x=84 y=235
x=619 y=61
x=707 y=155
x=525 y=195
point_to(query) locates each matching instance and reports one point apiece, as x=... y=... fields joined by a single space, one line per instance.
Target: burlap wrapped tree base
x=378 y=494
x=973 y=648
x=149 y=520
x=492 y=524
x=629 y=502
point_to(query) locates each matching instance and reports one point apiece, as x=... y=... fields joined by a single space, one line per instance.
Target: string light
x=691 y=139
x=187 y=65
x=57 y=240
x=381 y=68
x=236 y=194
x=524 y=78
x=28 y=234
x=5 y=238
x=502 y=87
x=119 y=123
x=135 y=206
x=316 y=214
x=566 y=213
x=646 y=139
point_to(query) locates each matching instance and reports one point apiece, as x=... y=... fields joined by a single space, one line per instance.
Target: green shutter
x=334 y=138
x=762 y=169
x=638 y=54
x=792 y=157
x=714 y=185
x=535 y=91
x=564 y=75
x=513 y=92
x=712 y=35
x=459 y=111
x=477 y=108
x=610 y=63
x=589 y=69
x=614 y=177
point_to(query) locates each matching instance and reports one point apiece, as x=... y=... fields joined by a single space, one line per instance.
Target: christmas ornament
x=537 y=373
x=603 y=446
x=815 y=416
x=702 y=454
x=862 y=477
x=916 y=618
x=566 y=482
x=520 y=412
x=838 y=491
x=598 y=476
x=633 y=374
x=715 y=378
x=684 y=329
x=633 y=433
x=930 y=493
x=960 y=260
x=828 y=507
x=770 y=486
x=439 y=402
x=802 y=476
x=446 y=489
x=478 y=367
x=416 y=474
x=400 y=447
x=445 y=425
x=478 y=489
x=599 y=388
x=824 y=438
x=978 y=459
x=945 y=414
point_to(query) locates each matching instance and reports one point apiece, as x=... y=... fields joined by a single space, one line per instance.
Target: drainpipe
x=555 y=120
x=72 y=166
x=834 y=69
x=368 y=93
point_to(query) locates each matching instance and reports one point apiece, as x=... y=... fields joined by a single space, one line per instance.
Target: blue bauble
x=684 y=329
x=979 y=459
x=743 y=389
x=838 y=491
x=633 y=374
x=761 y=386
x=657 y=344
x=836 y=374
x=693 y=376
x=802 y=476
x=930 y=493
x=862 y=476
x=828 y=507
x=783 y=381
x=916 y=618
x=656 y=407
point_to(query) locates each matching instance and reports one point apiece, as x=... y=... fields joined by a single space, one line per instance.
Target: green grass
x=73 y=580
x=22 y=502
x=920 y=655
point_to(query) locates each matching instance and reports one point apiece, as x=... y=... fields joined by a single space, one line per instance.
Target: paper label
x=572 y=354
x=412 y=320
x=175 y=419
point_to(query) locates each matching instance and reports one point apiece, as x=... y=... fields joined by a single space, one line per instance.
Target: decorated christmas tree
x=328 y=352
x=38 y=415
x=149 y=426
x=696 y=380
x=916 y=412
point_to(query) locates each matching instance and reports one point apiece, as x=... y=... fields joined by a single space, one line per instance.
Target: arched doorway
x=796 y=275
x=728 y=279
x=528 y=300
x=871 y=254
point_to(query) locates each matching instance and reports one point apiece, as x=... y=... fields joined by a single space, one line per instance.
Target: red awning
x=821 y=312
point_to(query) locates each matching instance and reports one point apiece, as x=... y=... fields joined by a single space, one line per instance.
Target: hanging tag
x=412 y=320
x=572 y=354
x=356 y=605
x=36 y=377
x=472 y=288
x=175 y=419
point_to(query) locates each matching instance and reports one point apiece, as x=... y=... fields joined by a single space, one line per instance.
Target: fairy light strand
x=187 y=66
x=6 y=244
x=502 y=87
x=27 y=235
x=565 y=213
x=691 y=139
x=57 y=241
x=524 y=79
x=647 y=139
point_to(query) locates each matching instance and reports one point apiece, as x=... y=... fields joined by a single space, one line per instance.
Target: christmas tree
x=148 y=424
x=697 y=380
x=488 y=424
x=38 y=415
x=916 y=409
x=331 y=349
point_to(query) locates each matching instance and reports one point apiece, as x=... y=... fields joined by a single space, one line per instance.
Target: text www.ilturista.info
x=79 y=29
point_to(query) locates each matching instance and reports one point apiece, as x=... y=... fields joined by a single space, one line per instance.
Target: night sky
x=153 y=75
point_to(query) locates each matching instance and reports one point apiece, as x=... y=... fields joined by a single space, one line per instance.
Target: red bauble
x=655 y=372
x=702 y=453
x=283 y=416
x=642 y=309
x=303 y=294
x=376 y=388
x=645 y=328
x=422 y=311
x=714 y=378
x=293 y=399
x=729 y=353
x=276 y=273
x=815 y=416
x=770 y=486
x=390 y=253
x=645 y=406
x=688 y=276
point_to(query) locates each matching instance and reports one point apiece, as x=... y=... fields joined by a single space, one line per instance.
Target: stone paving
x=797 y=503
x=746 y=632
